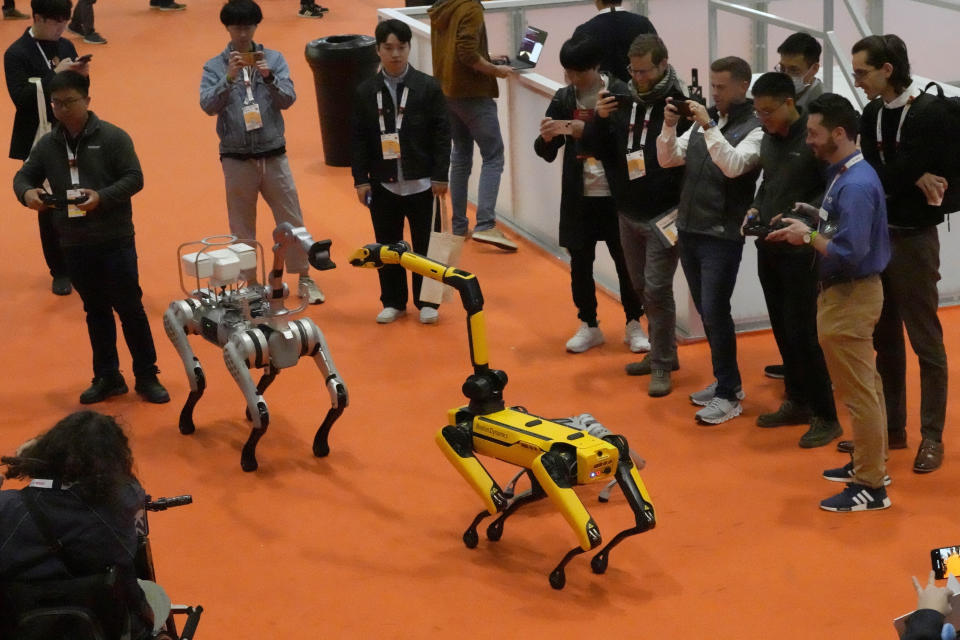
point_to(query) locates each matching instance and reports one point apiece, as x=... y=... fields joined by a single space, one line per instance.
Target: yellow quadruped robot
x=556 y=456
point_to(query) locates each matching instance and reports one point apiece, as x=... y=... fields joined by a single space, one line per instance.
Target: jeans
x=789 y=282
x=652 y=263
x=846 y=316
x=107 y=280
x=474 y=120
x=910 y=299
x=245 y=180
x=388 y=211
x=711 y=265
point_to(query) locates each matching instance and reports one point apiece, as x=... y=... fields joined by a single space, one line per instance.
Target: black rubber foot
x=495 y=530
x=599 y=563
x=471 y=539
x=248 y=463
x=604 y=499
x=558 y=579
x=187 y=427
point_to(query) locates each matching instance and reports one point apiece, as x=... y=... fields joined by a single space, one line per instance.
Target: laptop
x=531 y=46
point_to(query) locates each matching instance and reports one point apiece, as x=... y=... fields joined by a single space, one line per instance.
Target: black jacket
x=23 y=60
x=923 y=624
x=574 y=215
x=921 y=150
x=615 y=30
x=424 y=133
x=659 y=190
x=107 y=163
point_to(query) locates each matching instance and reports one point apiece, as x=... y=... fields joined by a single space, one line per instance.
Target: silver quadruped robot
x=252 y=324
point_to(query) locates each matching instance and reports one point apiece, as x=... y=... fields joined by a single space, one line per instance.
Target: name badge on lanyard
x=251 y=110
x=73 y=211
x=636 y=164
x=827 y=197
x=390 y=142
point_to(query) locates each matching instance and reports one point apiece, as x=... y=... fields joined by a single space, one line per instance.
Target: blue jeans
x=107 y=279
x=474 y=120
x=710 y=265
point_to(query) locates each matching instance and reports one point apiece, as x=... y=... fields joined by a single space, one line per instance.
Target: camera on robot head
x=54 y=202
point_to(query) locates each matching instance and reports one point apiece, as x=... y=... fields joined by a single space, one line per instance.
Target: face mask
x=799 y=85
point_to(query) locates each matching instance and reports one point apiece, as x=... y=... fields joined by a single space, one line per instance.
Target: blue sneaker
x=857 y=497
x=845 y=474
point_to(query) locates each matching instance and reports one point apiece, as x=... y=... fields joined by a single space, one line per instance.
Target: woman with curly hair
x=84 y=493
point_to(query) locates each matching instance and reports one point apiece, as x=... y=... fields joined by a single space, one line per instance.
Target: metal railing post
x=828 y=51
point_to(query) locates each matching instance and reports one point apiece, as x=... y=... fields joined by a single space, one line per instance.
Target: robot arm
x=288 y=239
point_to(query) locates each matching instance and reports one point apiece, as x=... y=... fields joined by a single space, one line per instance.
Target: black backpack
x=951 y=132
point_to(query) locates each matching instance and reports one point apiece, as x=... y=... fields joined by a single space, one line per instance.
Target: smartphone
x=945 y=560
x=683 y=108
x=250 y=57
x=84 y=58
x=624 y=101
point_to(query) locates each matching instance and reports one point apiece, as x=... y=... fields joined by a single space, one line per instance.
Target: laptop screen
x=532 y=44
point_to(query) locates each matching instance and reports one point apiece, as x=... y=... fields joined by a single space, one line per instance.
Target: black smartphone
x=683 y=108
x=84 y=58
x=945 y=560
x=624 y=101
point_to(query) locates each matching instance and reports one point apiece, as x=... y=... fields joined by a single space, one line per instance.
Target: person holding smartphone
x=588 y=213
x=40 y=53
x=247 y=87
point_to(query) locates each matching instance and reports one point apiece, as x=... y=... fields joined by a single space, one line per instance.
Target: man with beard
x=722 y=155
x=855 y=248
x=645 y=193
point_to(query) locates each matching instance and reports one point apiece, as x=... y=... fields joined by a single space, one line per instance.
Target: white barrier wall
x=529 y=199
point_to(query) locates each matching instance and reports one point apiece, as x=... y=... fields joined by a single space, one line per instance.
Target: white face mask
x=799 y=84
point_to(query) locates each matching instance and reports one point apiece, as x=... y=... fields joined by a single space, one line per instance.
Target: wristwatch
x=710 y=124
x=809 y=236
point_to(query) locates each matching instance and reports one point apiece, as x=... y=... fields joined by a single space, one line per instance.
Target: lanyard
x=247 y=84
x=400 y=110
x=849 y=163
x=72 y=162
x=903 y=117
x=643 y=132
x=42 y=52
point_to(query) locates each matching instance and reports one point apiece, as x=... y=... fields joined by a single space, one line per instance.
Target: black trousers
x=603 y=226
x=789 y=282
x=910 y=300
x=388 y=212
x=107 y=279
x=50 y=243
x=82 y=20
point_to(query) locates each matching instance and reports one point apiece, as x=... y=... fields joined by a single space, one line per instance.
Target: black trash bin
x=340 y=64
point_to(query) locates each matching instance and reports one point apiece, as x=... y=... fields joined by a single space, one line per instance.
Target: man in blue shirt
x=855 y=247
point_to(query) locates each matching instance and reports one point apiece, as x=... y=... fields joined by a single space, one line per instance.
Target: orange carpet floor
x=367 y=542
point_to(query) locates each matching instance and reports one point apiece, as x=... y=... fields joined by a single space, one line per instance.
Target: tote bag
x=445 y=247
x=44 y=127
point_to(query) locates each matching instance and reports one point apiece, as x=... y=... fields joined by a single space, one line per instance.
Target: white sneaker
x=308 y=289
x=429 y=315
x=719 y=410
x=496 y=238
x=585 y=338
x=634 y=336
x=703 y=397
x=389 y=314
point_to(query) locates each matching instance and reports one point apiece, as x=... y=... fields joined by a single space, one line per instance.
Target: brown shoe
x=643 y=367
x=659 y=383
x=821 y=432
x=789 y=413
x=895 y=440
x=929 y=456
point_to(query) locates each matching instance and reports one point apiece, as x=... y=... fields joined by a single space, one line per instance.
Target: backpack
x=951 y=161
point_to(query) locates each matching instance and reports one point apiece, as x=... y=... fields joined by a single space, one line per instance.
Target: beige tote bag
x=445 y=247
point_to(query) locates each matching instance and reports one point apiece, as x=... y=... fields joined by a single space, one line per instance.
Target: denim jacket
x=224 y=99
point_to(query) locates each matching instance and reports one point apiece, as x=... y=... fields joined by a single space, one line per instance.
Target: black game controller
x=754 y=227
x=54 y=202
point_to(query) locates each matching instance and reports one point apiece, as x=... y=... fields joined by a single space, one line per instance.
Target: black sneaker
x=61 y=286
x=151 y=390
x=789 y=413
x=310 y=11
x=103 y=387
x=94 y=38
x=774 y=371
x=857 y=497
x=75 y=29
x=821 y=432
x=14 y=14
x=643 y=367
x=845 y=474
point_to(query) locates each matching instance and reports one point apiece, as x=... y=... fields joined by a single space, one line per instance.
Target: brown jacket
x=459 y=38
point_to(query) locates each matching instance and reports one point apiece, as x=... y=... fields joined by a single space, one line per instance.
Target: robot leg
x=637 y=497
x=316 y=346
x=536 y=492
x=456 y=442
x=177 y=322
x=552 y=471
x=245 y=350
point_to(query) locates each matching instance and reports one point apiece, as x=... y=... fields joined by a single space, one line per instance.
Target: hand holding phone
x=84 y=58
x=945 y=560
x=683 y=108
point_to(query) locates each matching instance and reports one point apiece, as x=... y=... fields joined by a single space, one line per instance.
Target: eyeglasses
x=640 y=72
x=763 y=115
x=790 y=71
x=64 y=104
